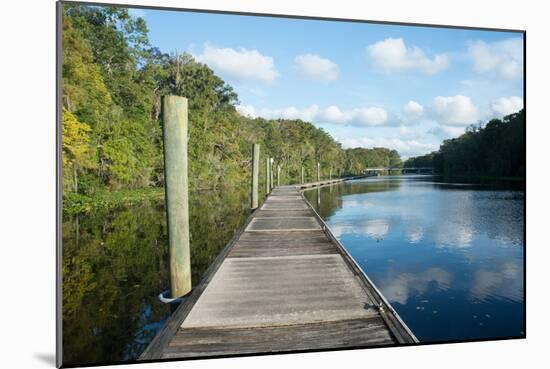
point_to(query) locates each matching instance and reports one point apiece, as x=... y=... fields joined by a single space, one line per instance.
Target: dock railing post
x=175 y=128
x=267 y=189
x=255 y=175
x=278 y=174
x=318 y=172
x=271 y=183
x=302 y=177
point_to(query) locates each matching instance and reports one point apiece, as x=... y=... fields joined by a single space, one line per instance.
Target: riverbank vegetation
x=112 y=82
x=492 y=150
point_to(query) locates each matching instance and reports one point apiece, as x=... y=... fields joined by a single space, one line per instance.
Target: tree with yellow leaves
x=77 y=153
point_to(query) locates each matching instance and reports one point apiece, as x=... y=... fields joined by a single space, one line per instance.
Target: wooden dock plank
x=283 y=224
x=270 y=291
x=261 y=213
x=284 y=284
x=195 y=342
x=285 y=244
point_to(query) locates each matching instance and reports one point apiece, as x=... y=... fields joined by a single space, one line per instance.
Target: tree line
x=112 y=81
x=495 y=149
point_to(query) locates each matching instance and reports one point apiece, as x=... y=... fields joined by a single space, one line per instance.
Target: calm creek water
x=115 y=263
x=447 y=256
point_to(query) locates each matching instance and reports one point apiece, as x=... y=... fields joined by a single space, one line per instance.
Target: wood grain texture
x=196 y=342
x=284 y=285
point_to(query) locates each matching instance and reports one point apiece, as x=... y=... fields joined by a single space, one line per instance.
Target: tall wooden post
x=330 y=174
x=271 y=183
x=267 y=189
x=175 y=127
x=278 y=175
x=318 y=172
x=302 y=175
x=255 y=175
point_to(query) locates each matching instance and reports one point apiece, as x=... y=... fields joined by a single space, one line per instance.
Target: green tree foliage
x=424 y=161
x=106 y=89
x=496 y=149
x=77 y=153
x=358 y=159
x=113 y=81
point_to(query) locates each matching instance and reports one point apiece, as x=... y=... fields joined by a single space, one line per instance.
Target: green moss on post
x=175 y=127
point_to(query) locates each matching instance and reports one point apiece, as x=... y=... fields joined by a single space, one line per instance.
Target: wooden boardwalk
x=284 y=283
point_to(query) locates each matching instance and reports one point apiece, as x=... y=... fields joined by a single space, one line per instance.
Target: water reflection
x=115 y=263
x=504 y=281
x=446 y=255
x=415 y=234
x=377 y=228
x=398 y=288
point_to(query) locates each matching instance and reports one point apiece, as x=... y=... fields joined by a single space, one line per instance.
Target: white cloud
x=240 y=65
x=315 y=68
x=504 y=58
x=507 y=105
x=247 y=111
x=393 y=55
x=412 y=111
x=290 y=112
x=454 y=110
x=369 y=116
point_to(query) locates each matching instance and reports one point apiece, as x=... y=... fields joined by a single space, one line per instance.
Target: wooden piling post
x=278 y=175
x=302 y=175
x=255 y=175
x=318 y=172
x=267 y=189
x=330 y=175
x=271 y=183
x=175 y=127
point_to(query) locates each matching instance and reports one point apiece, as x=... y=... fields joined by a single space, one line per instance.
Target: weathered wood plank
x=283 y=223
x=285 y=244
x=284 y=205
x=264 y=291
x=284 y=213
x=195 y=342
x=285 y=283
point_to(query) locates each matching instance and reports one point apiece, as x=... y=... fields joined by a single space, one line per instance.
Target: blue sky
x=402 y=87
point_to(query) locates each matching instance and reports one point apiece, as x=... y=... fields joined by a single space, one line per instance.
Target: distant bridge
x=403 y=170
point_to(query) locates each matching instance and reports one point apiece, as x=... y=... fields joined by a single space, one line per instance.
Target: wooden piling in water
x=318 y=172
x=302 y=181
x=255 y=175
x=267 y=189
x=175 y=128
